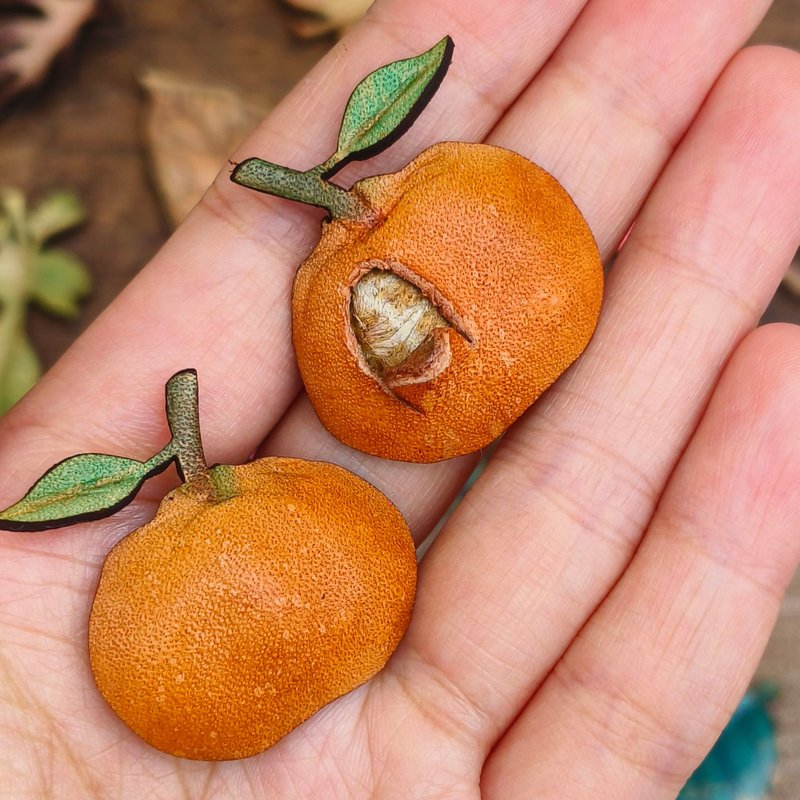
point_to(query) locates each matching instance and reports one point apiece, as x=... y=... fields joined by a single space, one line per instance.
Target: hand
x=589 y=617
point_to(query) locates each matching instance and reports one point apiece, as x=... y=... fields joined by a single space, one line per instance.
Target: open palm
x=589 y=617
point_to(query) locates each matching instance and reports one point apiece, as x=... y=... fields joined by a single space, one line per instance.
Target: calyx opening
x=401 y=333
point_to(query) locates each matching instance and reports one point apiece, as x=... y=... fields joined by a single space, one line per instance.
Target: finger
x=603 y=115
x=627 y=82
x=216 y=297
x=545 y=533
x=644 y=691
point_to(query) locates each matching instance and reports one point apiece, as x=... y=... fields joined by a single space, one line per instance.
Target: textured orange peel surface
x=501 y=250
x=218 y=628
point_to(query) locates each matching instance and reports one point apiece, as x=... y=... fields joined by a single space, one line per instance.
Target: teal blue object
x=741 y=764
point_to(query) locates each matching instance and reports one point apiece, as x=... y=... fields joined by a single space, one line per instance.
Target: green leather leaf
x=386 y=103
x=20 y=372
x=82 y=487
x=58 y=282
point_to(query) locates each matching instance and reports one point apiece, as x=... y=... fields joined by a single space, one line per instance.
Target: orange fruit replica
x=219 y=627
x=495 y=252
x=257 y=594
x=441 y=300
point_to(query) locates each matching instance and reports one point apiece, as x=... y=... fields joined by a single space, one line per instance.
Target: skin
x=590 y=617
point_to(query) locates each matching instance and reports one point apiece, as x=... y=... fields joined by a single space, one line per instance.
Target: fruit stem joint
x=183 y=417
x=304 y=187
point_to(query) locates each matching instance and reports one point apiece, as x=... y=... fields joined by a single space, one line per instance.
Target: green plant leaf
x=79 y=488
x=55 y=214
x=13 y=205
x=22 y=370
x=386 y=103
x=58 y=281
x=55 y=279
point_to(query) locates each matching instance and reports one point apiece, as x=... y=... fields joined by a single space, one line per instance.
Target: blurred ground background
x=83 y=129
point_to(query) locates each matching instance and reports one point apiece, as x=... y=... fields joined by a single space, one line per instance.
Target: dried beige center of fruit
x=401 y=333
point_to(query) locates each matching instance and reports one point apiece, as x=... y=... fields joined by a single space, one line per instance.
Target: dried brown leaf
x=325 y=16
x=32 y=34
x=191 y=129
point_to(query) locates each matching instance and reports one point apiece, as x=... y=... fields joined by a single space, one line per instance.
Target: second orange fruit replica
x=256 y=595
x=443 y=299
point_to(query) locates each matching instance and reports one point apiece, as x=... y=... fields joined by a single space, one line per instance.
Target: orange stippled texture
x=217 y=629
x=503 y=243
